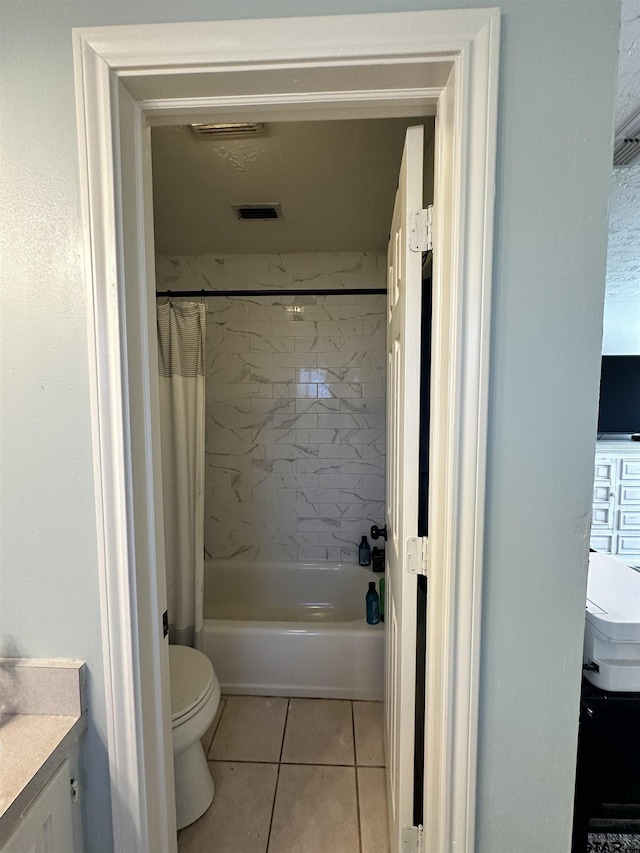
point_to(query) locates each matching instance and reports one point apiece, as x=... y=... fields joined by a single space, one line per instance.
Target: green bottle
x=381 y=588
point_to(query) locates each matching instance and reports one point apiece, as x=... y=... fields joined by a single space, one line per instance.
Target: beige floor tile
x=372 y=796
x=319 y=731
x=251 y=729
x=368 y=721
x=207 y=737
x=239 y=816
x=315 y=811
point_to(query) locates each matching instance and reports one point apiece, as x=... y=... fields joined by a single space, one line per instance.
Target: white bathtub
x=292 y=629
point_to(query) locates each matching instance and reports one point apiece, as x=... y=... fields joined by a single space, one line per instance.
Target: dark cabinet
x=608 y=770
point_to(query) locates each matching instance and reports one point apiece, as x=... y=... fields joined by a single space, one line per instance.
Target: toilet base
x=194 y=785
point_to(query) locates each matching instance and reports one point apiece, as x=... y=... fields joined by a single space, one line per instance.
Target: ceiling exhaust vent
x=626 y=146
x=229 y=129
x=258 y=211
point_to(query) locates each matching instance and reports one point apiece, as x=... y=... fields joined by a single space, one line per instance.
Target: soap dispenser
x=364 y=553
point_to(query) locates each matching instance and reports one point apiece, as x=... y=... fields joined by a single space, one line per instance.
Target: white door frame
x=374 y=65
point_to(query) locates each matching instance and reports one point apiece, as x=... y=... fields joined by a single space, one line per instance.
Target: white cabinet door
x=47 y=825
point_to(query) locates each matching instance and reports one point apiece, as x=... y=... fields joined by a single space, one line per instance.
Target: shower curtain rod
x=330 y=291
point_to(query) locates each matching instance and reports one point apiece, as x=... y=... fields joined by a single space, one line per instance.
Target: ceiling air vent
x=258 y=211
x=626 y=146
x=229 y=129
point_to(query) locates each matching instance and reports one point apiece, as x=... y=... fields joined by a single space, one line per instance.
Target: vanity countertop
x=42 y=718
x=31 y=748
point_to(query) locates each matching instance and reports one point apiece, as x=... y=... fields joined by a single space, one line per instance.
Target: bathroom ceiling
x=335 y=181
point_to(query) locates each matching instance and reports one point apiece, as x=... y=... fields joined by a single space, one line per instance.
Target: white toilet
x=195 y=696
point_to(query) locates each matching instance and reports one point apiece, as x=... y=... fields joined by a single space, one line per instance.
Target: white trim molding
x=131 y=77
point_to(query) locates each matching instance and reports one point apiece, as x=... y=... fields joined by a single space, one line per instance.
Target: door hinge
x=417 y=555
x=412 y=839
x=421 y=230
x=165 y=624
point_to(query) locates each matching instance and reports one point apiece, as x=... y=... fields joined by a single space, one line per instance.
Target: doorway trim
x=371 y=65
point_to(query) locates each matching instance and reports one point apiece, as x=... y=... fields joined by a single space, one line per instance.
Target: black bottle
x=377 y=556
x=364 y=553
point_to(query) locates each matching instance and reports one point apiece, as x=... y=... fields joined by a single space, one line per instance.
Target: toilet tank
x=612 y=626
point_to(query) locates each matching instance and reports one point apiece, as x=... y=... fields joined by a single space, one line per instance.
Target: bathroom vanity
x=43 y=717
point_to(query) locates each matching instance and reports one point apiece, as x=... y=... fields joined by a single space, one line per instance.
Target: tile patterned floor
x=293 y=776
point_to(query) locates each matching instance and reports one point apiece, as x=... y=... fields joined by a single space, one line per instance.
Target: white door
x=404 y=282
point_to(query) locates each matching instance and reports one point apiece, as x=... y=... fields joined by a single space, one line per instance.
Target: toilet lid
x=191 y=676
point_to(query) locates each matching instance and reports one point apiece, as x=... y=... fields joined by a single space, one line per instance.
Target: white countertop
x=32 y=746
x=43 y=717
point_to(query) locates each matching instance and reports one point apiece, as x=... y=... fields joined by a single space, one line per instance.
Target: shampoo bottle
x=377 y=559
x=364 y=553
x=373 y=605
x=381 y=588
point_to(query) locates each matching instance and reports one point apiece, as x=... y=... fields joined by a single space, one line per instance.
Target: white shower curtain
x=181 y=340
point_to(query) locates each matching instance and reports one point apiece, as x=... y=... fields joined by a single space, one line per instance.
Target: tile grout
x=224 y=708
x=273 y=809
x=284 y=730
x=293 y=763
x=275 y=789
x=355 y=773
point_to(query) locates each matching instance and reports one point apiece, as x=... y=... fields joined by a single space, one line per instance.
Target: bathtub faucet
x=376 y=532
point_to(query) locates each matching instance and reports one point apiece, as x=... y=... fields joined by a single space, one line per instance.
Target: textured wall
x=295 y=404
x=622 y=299
x=628 y=94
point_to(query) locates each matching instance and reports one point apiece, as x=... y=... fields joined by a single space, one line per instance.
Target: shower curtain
x=181 y=339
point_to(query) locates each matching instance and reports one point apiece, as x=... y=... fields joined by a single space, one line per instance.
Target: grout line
x=233 y=761
x=289 y=763
x=264 y=695
x=355 y=745
x=275 y=790
x=355 y=771
x=224 y=708
x=312 y=764
x=273 y=808
x=284 y=729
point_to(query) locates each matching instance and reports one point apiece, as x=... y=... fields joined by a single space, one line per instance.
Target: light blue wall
x=557 y=80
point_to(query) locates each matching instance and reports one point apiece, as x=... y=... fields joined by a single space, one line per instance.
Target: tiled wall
x=295 y=404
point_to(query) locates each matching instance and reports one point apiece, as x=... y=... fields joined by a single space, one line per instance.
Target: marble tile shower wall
x=295 y=432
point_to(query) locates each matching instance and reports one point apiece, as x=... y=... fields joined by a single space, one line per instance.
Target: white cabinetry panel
x=604 y=542
x=601 y=517
x=629 y=519
x=628 y=494
x=602 y=493
x=629 y=545
x=615 y=517
x=631 y=469
x=605 y=470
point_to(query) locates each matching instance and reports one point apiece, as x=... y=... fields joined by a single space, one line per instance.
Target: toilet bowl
x=195 y=696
